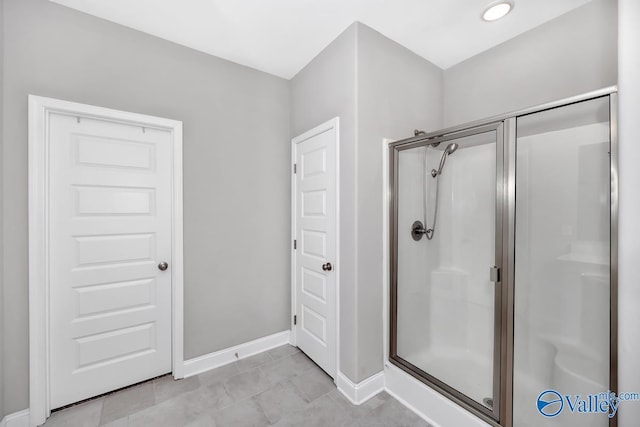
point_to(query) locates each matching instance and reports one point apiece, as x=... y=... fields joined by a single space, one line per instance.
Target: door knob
x=163 y=266
x=327 y=267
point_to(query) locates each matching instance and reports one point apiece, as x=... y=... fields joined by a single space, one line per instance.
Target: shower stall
x=503 y=261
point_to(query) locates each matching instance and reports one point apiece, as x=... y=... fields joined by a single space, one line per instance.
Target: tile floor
x=281 y=387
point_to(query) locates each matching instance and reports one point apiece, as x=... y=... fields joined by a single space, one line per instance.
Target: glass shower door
x=444 y=287
x=562 y=286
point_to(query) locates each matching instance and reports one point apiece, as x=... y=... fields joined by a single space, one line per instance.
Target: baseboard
x=214 y=360
x=17 y=419
x=364 y=390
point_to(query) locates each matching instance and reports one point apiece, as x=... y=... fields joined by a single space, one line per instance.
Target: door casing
x=40 y=108
x=335 y=124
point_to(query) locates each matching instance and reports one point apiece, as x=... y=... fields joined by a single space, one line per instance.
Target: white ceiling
x=282 y=36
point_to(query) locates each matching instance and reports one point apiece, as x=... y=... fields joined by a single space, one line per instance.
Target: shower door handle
x=494 y=274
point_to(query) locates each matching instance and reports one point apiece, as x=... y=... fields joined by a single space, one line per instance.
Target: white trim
x=330 y=124
x=39 y=110
x=364 y=390
x=17 y=419
x=385 y=249
x=338 y=259
x=177 y=252
x=293 y=336
x=214 y=360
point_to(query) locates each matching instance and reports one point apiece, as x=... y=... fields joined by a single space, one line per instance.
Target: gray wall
x=236 y=168
x=324 y=89
x=398 y=91
x=629 y=246
x=378 y=89
x=572 y=54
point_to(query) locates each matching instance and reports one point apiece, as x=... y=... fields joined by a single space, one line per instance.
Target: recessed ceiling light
x=497 y=10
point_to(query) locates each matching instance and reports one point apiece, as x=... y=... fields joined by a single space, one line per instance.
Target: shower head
x=449 y=150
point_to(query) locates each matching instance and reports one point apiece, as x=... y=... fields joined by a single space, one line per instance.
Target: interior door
x=315 y=253
x=110 y=293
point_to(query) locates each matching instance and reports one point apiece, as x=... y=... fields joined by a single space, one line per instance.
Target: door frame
x=330 y=124
x=40 y=109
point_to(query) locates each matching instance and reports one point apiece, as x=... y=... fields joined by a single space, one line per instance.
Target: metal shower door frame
x=500 y=295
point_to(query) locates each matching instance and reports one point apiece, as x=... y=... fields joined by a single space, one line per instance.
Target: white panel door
x=315 y=254
x=110 y=212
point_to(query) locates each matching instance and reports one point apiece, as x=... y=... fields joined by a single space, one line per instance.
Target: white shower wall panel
x=467 y=243
x=414 y=259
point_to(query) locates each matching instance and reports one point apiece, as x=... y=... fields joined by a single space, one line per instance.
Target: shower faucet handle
x=327 y=267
